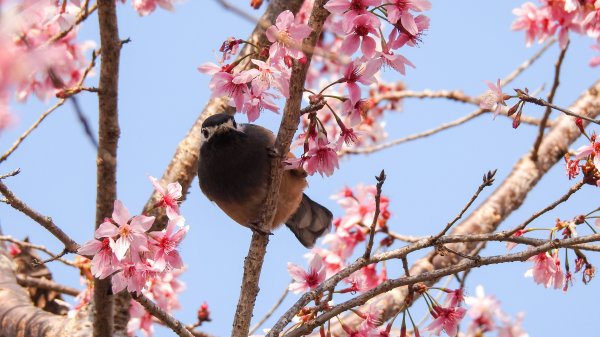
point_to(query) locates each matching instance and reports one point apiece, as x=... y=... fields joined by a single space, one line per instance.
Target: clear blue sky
x=161 y=93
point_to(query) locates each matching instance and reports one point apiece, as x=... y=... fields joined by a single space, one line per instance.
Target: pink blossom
x=595 y=61
x=593 y=149
x=307 y=280
x=399 y=36
x=131 y=231
x=455 y=297
x=145 y=7
x=511 y=245
x=104 y=261
x=357 y=71
x=493 y=98
x=482 y=309
x=286 y=36
x=132 y=276
x=257 y=101
x=169 y=197
x=513 y=329
x=399 y=11
x=321 y=157
x=396 y=62
x=527 y=19
x=446 y=319
x=139 y=319
x=546 y=270
x=358 y=34
x=350 y=9
x=226 y=84
x=262 y=77
x=164 y=244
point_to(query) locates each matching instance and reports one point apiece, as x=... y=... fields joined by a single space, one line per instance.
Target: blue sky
x=161 y=94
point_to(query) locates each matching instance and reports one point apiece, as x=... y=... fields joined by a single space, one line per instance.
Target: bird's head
x=217 y=124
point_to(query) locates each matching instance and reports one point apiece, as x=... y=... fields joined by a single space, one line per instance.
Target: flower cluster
x=559 y=18
x=354 y=28
x=487 y=317
x=124 y=249
x=587 y=159
x=29 y=62
x=350 y=230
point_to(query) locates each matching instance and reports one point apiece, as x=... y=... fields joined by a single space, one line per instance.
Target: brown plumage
x=234 y=169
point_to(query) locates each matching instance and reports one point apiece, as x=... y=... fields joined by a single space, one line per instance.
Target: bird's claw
x=255 y=227
x=272 y=152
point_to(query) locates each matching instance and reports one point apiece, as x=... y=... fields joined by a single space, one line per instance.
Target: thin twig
x=555 y=83
x=42 y=283
x=488 y=180
x=37 y=247
x=31 y=128
x=369 y=247
x=10 y=174
x=510 y=77
x=270 y=312
x=170 y=321
x=405 y=238
x=548 y=208
x=379 y=147
x=453 y=95
x=506 y=80
x=45 y=221
x=541 y=102
x=84 y=14
x=427 y=276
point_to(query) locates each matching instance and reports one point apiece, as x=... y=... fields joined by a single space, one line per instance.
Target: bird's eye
x=205 y=133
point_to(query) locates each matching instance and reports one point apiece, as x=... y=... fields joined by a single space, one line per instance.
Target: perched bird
x=234 y=169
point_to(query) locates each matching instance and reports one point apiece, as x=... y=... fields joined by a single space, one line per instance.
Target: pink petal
x=408 y=22
x=296 y=272
x=91 y=247
x=106 y=230
x=120 y=213
x=120 y=248
x=142 y=223
x=156 y=185
x=368 y=46
x=350 y=44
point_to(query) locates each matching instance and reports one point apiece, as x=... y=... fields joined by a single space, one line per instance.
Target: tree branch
x=108 y=138
x=289 y=125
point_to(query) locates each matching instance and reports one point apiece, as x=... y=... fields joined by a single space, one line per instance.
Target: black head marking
x=218 y=119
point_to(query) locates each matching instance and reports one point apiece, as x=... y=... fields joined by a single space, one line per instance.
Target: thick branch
x=108 y=137
x=45 y=221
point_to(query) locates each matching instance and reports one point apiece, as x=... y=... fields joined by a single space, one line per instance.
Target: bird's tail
x=309 y=222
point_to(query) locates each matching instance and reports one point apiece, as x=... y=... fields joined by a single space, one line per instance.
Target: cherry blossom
x=130 y=231
x=546 y=270
x=446 y=319
x=104 y=261
x=164 y=244
x=145 y=7
x=399 y=36
x=482 y=309
x=307 y=280
x=493 y=98
x=350 y=9
x=257 y=101
x=593 y=149
x=358 y=35
x=286 y=36
x=398 y=10
x=169 y=197
x=361 y=72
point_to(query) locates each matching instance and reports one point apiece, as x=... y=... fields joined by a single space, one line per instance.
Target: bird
x=234 y=166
